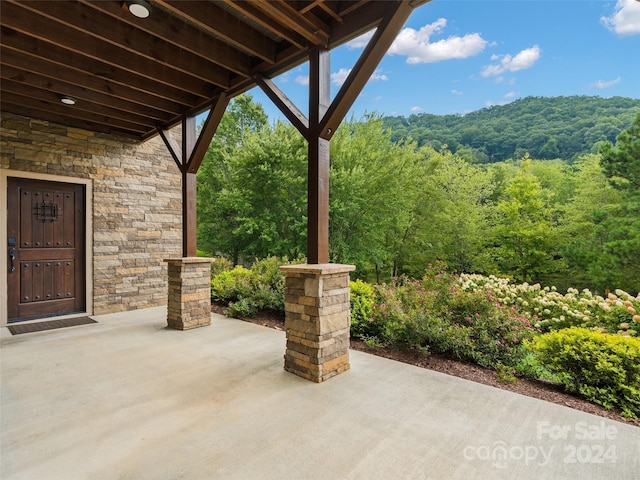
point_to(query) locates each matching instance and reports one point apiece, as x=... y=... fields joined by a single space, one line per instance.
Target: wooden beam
x=172 y=146
x=206 y=134
x=189 y=223
x=310 y=28
x=222 y=24
x=30 y=23
x=318 y=163
x=50 y=61
x=365 y=66
x=250 y=11
x=184 y=35
x=286 y=106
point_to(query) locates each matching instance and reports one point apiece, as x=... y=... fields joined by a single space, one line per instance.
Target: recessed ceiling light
x=68 y=100
x=139 y=8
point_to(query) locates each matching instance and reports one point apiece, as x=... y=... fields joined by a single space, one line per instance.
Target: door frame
x=88 y=221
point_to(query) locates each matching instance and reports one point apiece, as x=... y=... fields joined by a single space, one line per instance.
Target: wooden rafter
x=130 y=75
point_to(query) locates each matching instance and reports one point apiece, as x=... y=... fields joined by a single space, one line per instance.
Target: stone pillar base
x=189 y=302
x=317 y=320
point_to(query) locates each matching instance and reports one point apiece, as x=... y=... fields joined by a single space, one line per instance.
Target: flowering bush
x=435 y=313
x=548 y=309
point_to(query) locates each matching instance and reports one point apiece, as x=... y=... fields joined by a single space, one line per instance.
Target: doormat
x=49 y=325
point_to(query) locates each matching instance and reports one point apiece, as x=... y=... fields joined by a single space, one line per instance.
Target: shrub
x=248 y=290
x=604 y=368
x=435 y=313
x=231 y=285
x=549 y=310
x=219 y=265
x=361 y=299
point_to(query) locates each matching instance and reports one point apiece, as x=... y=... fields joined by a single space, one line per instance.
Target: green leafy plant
x=604 y=368
x=246 y=290
x=362 y=300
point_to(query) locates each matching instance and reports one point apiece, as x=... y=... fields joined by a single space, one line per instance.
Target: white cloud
x=510 y=94
x=416 y=109
x=302 y=79
x=416 y=45
x=506 y=63
x=361 y=41
x=339 y=77
x=606 y=83
x=456 y=92
x=625 y=19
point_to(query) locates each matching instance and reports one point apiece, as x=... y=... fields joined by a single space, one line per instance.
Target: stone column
x=189 y=302
x=317 y=320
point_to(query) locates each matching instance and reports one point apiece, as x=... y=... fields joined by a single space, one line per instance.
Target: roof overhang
x=133 y=76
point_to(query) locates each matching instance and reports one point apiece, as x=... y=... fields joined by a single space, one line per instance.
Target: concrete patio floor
x=127 y=398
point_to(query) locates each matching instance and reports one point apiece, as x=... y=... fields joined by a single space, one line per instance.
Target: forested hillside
x=543 y=127
x=395 y=207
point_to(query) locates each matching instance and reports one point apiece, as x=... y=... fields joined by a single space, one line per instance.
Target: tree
x=218 y=202
x=526 y=236
x=584 y=226
x=374 y=184
x=456 y=212
x=621 y=165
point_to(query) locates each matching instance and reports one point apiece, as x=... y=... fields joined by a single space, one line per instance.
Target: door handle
x=12 y=260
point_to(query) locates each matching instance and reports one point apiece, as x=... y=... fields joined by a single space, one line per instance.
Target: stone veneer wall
x=136 y=203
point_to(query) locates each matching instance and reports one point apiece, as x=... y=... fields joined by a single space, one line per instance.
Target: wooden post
x=318 y=164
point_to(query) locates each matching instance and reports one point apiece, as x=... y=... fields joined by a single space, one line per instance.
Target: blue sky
x=458 y=56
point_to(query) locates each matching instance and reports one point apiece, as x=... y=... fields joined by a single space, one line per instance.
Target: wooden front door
x=45 y=248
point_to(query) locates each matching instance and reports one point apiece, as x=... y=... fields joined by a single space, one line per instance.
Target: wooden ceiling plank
x=129 y=42
x=365 y=66
x=216 y=21
x=102 y=80
x=31 y=24
x=75 y=90
x=285 y=105
x=310 y=6
x=290 y=18
x=324 y=6
x=49 y=95
x=249 y=10
x=181 y=34
x=58 y=108
x=64 y=120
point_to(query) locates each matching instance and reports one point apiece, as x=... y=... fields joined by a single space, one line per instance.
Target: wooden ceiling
x=132 y=76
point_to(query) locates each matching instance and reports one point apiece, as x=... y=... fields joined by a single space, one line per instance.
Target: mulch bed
x=547 y=391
